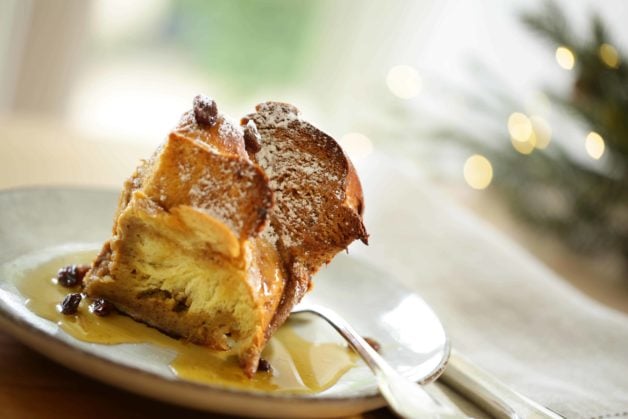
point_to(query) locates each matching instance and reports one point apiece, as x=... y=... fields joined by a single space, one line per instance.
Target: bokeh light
x=528 y=133
x=609 y=55
x=404 y=81
x=594 y=145
x=478 y=172
x=519 y=127
x=542 y=132
x=356 y=145
x=565 y=58
x=524 y=147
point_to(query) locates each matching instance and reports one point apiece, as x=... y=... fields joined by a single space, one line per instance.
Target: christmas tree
x=545 y=185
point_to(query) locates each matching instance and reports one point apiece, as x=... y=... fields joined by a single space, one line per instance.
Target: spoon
x=409 y=400
x=406 y=398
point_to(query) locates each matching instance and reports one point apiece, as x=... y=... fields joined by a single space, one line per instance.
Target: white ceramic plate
x=37 y=224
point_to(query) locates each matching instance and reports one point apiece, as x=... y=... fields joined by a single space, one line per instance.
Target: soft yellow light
x=609 y=55
x=542 y=132
x=524 y=147
x=519 y=127
x=565 y=58
x=594 y=145
x=404 y=81
x=356 y=145
x=478 y=172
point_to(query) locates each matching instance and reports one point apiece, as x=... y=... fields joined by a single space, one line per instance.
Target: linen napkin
x=501 y=307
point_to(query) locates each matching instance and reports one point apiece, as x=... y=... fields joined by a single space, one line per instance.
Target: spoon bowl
x=406 y=398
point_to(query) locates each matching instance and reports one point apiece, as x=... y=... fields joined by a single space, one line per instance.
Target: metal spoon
x=409 y=400
x=489 y=393
x=406 y=398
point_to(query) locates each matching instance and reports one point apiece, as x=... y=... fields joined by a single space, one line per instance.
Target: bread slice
x=184 y=256
x=318 y=197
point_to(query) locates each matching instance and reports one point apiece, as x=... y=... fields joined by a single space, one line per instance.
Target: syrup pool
x=298 y=365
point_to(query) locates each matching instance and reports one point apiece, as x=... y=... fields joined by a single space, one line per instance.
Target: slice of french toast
x=218 y=234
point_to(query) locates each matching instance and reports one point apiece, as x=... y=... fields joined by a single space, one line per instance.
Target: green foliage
x=586 y=208
x=600 y=93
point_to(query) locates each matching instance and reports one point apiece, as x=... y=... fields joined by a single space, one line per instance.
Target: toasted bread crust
x=225 y=170
x=318 y=197
x=228 y=187
x=224 y=137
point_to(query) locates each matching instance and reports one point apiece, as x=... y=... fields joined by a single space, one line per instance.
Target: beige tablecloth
x=501 y=307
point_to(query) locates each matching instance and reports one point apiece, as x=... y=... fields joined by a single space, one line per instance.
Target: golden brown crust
x=354 y=197
x=224 y=137
x=228 y=187
x=207 y=167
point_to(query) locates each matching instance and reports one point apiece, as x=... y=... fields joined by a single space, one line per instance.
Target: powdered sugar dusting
x=151 y=207
x=228 y=128
x=305 y=184
x=270 y=235
x=278 y=115
x=184 y=172
x=198 y=198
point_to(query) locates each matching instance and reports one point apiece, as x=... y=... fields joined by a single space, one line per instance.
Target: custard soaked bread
x=217 y=235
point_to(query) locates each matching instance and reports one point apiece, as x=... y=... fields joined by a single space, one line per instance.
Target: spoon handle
x=490 y=393
x=405 y=397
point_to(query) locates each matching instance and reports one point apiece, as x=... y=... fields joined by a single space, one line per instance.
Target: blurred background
x=516 y=109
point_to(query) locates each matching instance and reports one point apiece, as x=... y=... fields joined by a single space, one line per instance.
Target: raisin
x=72 y=275
x=373 y=343
x=205 y=110
x=81 y=271
x=67 y=276
x=264 y=365
x=70 y=303
x=252 y=139
x=101 y=307
x=180 y=306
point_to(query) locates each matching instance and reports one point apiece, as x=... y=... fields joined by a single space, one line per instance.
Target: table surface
x=36 y=152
